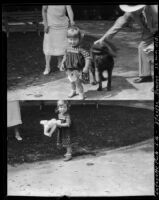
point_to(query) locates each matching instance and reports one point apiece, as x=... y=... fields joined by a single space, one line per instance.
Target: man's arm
x=118 y=25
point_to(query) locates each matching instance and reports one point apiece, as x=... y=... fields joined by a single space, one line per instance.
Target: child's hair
x=74 y=32
x=62 y=102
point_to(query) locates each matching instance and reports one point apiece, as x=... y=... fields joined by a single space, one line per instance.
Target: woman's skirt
x=55 y=41
x=13 y=113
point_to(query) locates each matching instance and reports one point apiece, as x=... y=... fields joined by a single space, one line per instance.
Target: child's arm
x=70 y=15
x=87 y=58
x=66 y=124
x=44 y=16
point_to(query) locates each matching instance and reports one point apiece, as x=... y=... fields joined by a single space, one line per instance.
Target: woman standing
x=14 y=117
x=55 y=31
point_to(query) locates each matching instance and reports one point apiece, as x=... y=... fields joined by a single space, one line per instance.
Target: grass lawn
x=106 y=127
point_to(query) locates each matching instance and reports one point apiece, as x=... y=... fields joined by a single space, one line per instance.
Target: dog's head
x=104 y=48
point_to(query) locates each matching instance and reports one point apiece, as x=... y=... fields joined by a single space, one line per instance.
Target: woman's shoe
x=19 y=138
x=68 y=157
x=46 y=72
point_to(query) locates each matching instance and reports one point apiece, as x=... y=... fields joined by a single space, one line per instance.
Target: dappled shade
x=107 y=127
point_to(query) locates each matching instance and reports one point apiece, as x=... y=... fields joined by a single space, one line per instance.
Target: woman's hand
x=46 y=28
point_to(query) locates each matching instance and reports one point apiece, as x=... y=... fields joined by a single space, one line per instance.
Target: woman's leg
x=47 y=66
x=17 y=133
x=59 y=59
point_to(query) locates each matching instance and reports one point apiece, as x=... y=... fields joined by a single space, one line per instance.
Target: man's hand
x=100 y=41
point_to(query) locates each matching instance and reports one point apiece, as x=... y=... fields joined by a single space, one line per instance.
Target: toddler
x=75 y=61
x=63 y=127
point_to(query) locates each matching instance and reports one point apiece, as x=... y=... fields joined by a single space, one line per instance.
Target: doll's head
x=74 y=36
x=62 y=106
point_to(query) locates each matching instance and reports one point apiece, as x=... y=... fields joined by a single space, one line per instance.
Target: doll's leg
x=49 y=128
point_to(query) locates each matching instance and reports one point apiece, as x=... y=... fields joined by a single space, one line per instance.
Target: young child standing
x=62 y=126
x=75 y=61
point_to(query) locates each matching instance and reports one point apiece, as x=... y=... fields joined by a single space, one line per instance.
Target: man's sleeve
x=118 y=25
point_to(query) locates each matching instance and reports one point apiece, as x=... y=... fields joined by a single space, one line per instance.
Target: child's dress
x=55 y=41
x=13 y=113
x=64 y=133
x=74 y=62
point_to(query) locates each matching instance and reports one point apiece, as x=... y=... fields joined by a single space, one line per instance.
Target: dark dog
x=102 y=60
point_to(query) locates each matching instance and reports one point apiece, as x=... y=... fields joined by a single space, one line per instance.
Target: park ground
x=25 y=66
x=114 y=155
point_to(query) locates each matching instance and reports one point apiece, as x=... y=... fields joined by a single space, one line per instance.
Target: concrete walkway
x=127 y=171
x=123 y=88
x=125 y=71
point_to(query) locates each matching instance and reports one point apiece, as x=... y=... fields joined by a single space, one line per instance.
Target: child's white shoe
x=46 y=72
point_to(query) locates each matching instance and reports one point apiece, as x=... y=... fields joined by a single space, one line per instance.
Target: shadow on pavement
x=119 y=84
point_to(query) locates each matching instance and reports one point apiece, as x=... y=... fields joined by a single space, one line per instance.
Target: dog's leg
x=109 y=79
x=99 y=79
x=92 y=75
